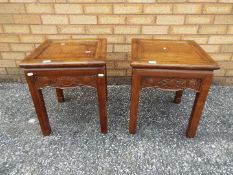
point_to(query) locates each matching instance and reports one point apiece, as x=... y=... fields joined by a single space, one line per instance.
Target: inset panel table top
x=67 y=53
x=170 y=54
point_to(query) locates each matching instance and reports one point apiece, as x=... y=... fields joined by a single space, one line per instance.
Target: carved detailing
x=171 y=83
x=65 y=81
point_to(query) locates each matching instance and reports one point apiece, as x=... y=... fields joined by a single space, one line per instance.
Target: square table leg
x=60 y=95
x=135 y=91
x=198 y=106
x=178 y=96
x=39 y=104
x=102 y=98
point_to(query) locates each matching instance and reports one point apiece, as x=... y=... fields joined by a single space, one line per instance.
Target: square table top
x=67 y=53
x=170 y=54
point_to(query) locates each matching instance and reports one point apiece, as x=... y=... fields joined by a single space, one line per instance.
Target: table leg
x=198 y=106
x=60 y=95
x=134 y=101
x=106 y=82
x=39 y=104
x=178 y=96
x=102 y=97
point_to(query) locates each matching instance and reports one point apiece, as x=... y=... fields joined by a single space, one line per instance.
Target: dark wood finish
x=178 y=96
x=39 y=104
x=171 y=65
x=62 y=64
x=134 y=100
x=60 y=95
x=102 y=98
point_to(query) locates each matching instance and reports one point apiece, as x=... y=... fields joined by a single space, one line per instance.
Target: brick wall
x=26 y=23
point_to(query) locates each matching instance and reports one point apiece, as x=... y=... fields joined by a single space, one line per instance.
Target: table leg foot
x=134 y=101
x=178 y=96
x=60 y=95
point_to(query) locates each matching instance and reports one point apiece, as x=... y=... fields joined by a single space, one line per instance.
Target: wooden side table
x=67 y=63
x=171 y=65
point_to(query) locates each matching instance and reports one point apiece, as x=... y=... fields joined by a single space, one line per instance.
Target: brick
x=68 y=8
x=14 y=70
x=202 y=0
x=97 y=9
x=141 y=20
x=109 y=48
x=221 y=39
x=16 y=29
x=212 y=29
x=22 y=47
x=219 y=72
x=122 y=48
x=7 y=63
x=129 y=72
x=200 y=39
x=3 y=71
x=154 y=29
x=71 y=29
x=183 y=29
x=8 y=38
x=116 y=56
x=169 y=37
x=211 y=48
x=171 y=0
x=122 y=64
x=223 y=19
x=130 y=37
x=99 y=30
x=229 y=73
x=111 y=20
x=81 y=1
x=32 y=38
x=116 y=72
x=84 y=36
x=23 y=1
x=6 y=19
x=227 y=1
x=187 y=8
x=4 y=47
x=27 y=19
x=227 y=48
x=230 y=29
x=47 y=1
x=141 y=1
x=217 y=8
x=13 y=55
x=221 y=56
x=127 y=9
x=158 y=9
x=225 y=64
x=199 y=19
x=54 y=19
x=110 y=1
x=83 y=19
x=43 y=29
x=114 y=38
x=110 y=64
x=126 y=29
x=170 y=19
x=58 y=36
x=39 y=8
x=12 y=8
